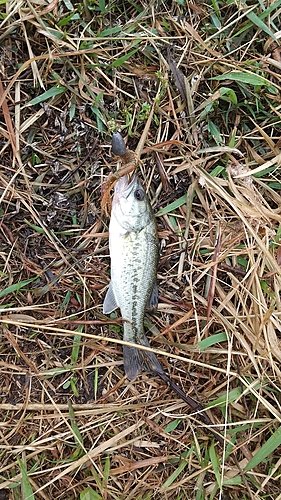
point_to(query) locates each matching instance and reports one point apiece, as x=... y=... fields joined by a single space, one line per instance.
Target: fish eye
x=139 y=194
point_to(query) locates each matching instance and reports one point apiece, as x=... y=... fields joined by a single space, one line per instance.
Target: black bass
x=133 y=245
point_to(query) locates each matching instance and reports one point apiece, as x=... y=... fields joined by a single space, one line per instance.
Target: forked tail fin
x=136 y=359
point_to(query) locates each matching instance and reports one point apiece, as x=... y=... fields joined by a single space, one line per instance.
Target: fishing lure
x=129 y=163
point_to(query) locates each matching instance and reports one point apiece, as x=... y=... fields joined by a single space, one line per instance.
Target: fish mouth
x=125 y=186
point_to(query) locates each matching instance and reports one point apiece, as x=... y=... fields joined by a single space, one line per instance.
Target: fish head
x=131 y=207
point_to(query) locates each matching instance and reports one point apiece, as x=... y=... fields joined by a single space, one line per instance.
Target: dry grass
x=72 y=426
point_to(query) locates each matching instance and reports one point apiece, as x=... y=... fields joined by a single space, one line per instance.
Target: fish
x=133 y=245
x=133 y=248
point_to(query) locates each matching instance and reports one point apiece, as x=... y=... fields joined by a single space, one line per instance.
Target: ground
x=194 y=89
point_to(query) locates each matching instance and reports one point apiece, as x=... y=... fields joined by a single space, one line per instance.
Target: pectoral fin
x=110 y=303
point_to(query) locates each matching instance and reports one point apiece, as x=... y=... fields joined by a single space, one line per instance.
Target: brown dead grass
x=67 y=411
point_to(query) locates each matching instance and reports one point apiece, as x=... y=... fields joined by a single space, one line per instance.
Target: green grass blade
x=102 y=6
x=260 y=24
x=121 y=60
x=233 y=481
x=106 y=470
x=172 y=206
x=38 y=229
x=96 y=378
x=74 y=426
x=76 y=345
x=229 y=397
x=215 y=133
x=240 y=76
x=172 y=425
x=16 y=287
x=271 y=444
x=215 y=463
x=68 y=4
x=110 y=32
x=214 y=339
x=27 y=493
x=79 y=448
x=54 y=91
x=89 y=494
x=177 y=472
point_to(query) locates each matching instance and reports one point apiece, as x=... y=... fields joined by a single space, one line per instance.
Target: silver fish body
x=133 y=245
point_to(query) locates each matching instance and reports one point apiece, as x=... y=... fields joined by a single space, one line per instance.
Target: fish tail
x=136 y=359
x=132 y=361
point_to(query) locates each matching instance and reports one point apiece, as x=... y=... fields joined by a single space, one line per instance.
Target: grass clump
x=195 y=90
